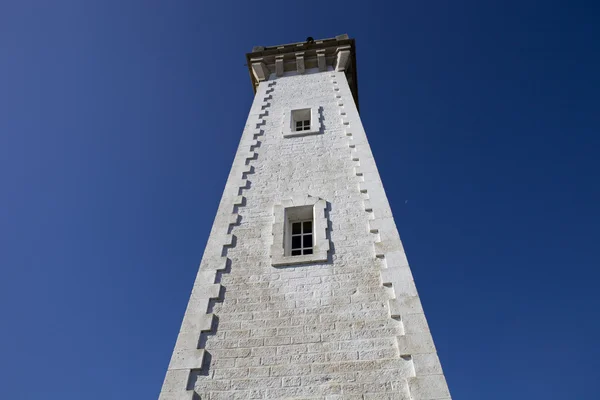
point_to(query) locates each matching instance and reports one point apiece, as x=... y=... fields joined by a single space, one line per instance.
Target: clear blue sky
x=119 y=121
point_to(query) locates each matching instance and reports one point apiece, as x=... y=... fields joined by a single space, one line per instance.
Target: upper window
x=301 y=122
x=301 y=119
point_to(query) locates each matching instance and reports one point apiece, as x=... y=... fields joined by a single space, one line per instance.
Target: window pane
x=296 y=252
x=296 y=242
x=296 y=228
x=306 y=128
x=308 y=251
x=308 y=227
x=307 y=241
x=298 y=124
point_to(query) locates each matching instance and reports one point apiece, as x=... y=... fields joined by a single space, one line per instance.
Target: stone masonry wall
x=350 y=328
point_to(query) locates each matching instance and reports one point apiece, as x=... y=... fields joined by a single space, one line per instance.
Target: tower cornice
x=337 y=54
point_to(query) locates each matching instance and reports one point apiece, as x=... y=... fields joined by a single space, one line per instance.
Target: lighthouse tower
x=304 y=290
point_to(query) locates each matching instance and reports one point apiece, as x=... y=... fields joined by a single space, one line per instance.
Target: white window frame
x=284 y=215
x=289 y=123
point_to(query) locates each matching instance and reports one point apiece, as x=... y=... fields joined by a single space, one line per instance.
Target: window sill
x=320 y=256
x=300 y=133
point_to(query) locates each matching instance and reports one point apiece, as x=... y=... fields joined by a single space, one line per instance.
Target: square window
x=301 y=122
x=301 y=119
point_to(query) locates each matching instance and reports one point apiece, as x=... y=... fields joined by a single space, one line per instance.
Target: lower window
x=300 y=231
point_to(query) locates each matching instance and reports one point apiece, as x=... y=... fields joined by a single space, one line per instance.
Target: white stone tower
x=304 y=290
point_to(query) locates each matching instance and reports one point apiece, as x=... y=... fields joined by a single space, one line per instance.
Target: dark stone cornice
x=338 y=53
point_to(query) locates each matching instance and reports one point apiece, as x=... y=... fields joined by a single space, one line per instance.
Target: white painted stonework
x=347 y=324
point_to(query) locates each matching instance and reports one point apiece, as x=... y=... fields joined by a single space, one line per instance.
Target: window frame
x=299 y=210
x=290 y=120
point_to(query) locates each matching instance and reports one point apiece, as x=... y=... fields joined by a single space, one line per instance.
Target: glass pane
x=307 y=241
x=308 y=251
x=296 y=228
x=296 y=242
x=298 y=124
x=307 y=122
x=306 y=128
x=308 y=227
x=296 y=252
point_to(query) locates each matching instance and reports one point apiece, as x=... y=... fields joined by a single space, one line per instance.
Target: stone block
x=417 y=343
x=415 y=323
x=427 y=364
x=187 y=359
x=428 y=387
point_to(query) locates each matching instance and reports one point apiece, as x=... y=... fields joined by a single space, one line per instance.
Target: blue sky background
x=119 y=121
